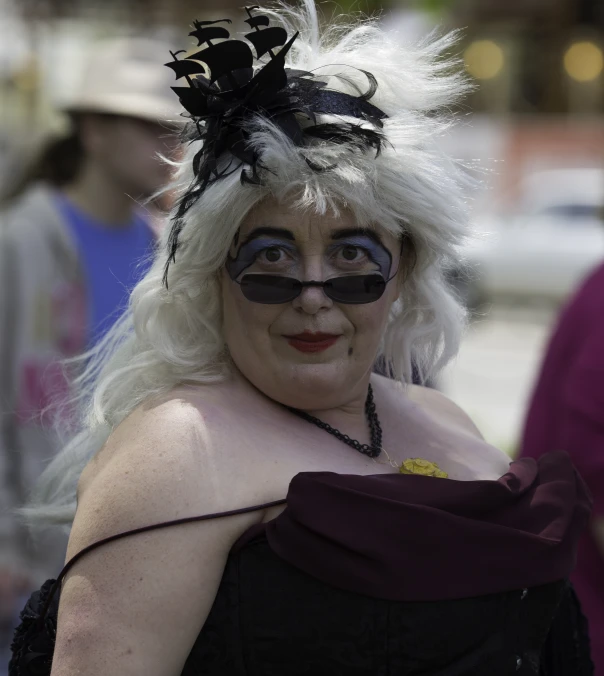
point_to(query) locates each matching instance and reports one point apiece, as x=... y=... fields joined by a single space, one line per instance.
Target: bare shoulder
x=153 y=423
x=160 y=463
x=483 y=455
x=123 y=609
x=432 y=402
x=454 y=438
x=439 y=405
x=157 y=445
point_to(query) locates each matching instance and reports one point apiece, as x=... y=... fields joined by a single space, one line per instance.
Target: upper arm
x=136 y=605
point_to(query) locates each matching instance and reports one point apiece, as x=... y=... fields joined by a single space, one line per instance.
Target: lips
x=312 y=342
x=311 y=337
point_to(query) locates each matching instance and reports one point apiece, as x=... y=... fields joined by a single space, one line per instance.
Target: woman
x=315 y=214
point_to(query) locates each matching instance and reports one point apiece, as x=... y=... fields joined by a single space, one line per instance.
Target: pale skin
x=137 y=606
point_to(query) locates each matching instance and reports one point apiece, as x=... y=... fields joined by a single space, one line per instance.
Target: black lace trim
x=34 y=639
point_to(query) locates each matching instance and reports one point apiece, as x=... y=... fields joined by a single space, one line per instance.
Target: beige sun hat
x=127 y=76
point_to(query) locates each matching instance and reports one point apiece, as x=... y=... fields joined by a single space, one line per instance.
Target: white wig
x=172 y=335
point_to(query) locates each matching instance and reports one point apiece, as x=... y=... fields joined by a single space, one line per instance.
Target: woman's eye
x=351 y=253
x=272 y=255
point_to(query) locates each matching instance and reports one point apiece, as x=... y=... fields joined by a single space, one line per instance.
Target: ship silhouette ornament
x=225 y=93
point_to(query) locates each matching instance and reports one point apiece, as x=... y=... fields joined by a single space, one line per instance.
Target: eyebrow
x=275 y=232
x=355 y=232
x=288 y=234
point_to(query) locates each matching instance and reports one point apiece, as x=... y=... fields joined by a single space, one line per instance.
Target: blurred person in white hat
x=73 y=242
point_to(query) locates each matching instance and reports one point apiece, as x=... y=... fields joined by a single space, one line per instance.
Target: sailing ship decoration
x=225 y=90
x=227 y=72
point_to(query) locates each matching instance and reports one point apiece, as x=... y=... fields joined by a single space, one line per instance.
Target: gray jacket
x=42 y=321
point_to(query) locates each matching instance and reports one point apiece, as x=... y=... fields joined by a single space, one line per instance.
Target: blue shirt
x=113 y=258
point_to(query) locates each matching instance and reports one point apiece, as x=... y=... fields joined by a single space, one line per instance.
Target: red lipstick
x=312 y=342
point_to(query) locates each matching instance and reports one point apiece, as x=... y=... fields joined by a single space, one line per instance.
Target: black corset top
x=393 y=575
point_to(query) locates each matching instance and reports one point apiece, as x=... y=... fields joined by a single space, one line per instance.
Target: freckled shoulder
x=123 y=609
x=154 y=434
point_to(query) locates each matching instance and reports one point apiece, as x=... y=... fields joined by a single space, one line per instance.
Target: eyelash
x=339 y=249
x=362 y=249
x=273 y=247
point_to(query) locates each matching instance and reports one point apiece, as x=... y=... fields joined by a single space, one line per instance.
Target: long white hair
x=174 y=334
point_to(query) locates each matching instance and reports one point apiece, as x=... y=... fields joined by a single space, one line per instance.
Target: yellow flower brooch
x=422 y=468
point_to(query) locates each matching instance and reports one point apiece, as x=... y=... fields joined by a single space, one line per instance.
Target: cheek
x=369 y=320
x=246 y=324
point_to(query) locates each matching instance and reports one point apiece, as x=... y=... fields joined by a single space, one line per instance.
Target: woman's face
x=265 y=341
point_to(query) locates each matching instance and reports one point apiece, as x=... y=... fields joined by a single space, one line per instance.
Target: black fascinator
x=225 y=92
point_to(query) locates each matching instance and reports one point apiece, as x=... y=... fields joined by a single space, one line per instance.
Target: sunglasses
x=352 y=290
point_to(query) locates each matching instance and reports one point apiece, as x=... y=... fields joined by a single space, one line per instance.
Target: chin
x=313 y=385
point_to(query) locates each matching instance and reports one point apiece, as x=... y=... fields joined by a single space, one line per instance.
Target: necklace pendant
x=421 y=467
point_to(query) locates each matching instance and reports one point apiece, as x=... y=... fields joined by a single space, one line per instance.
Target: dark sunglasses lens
x=270 y=289
x=356 y=289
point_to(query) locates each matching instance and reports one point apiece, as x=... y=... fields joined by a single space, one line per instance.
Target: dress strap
x=144 y=529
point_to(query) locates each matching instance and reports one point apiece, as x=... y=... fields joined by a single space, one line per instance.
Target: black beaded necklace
x=375 y=428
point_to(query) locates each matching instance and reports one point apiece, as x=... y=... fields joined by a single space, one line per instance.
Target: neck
x=348 y=416
x=101 y=197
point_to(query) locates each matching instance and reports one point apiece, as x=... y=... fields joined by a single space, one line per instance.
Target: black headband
x=225 y=94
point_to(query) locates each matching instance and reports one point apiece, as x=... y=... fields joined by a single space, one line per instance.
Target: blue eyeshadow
x=378 y=253
x=249 y=251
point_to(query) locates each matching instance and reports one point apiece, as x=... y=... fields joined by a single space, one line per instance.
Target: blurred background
x=533 y=133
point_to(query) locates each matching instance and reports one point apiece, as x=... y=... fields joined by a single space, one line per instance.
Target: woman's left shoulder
x=431 y=401
x=452 y=432
x=455 y=419
x=436 y=404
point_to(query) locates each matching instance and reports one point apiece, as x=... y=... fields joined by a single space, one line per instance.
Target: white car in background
x=546 y=247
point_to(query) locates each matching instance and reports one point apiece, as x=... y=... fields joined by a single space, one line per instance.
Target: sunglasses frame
x=299 y=286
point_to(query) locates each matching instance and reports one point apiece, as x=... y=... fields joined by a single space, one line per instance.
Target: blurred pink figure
x=567 y=412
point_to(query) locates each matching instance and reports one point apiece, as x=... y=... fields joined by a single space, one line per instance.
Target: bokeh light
x=484 y=59
x=584 y=61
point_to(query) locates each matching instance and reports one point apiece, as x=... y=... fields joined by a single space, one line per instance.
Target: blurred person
x=244 y=494
x=73 y=242
x=567 y=412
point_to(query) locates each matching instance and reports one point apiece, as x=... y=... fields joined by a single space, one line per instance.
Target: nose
x=312 y=300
